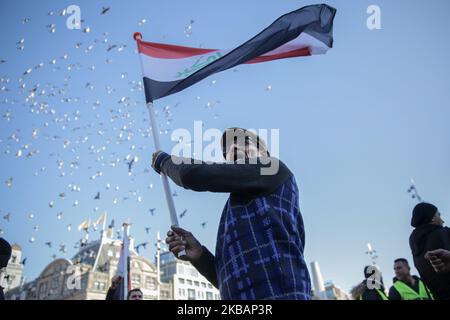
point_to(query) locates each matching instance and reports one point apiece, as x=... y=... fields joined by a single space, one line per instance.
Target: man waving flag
x=168 y=69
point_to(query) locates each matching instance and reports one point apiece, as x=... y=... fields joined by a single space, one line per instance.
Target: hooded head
x=372 y=273
x=372 y=276
x=239 y=143
x=425 y=213
x=5 y=253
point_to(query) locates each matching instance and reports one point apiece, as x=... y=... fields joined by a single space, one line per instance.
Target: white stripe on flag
x=165 y=70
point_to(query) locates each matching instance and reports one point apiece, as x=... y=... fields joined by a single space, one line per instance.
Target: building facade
x=325 y=290
x=12 y=276
x=332 y=292
x=186 y=282
x=87 y=276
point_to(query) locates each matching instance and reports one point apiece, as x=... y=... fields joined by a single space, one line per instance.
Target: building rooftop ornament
x=15 y=246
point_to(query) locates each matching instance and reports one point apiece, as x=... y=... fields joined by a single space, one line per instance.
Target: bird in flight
x=183 y=213
x=105 y=10
x=143 y=244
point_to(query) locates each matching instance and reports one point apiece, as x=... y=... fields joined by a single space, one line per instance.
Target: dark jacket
x=111 y=294
x=2 y=295
x=260 y=241
x=395 y=295
x=426 y=238
x=361 y=292
x=115 y=291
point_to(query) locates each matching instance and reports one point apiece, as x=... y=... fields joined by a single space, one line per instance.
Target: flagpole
x=125 y=261
x=158 y=266
x=165 y=181
x=168 y=194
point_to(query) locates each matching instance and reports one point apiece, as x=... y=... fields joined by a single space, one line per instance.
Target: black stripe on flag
x=315 y=20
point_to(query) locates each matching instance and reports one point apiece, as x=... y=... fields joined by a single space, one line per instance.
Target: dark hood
x=359 y=289
x=5 y=252
x=418 y=238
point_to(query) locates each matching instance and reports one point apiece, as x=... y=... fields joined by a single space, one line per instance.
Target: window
x=13 y=259
x=181 y=280
x=84 y=282
x=203 y=285
x=42 y=289
x=196 y=283
x=171 y=270
x=191 y=294
x=150 y=282
x=99 y=286
x=135 y=280
x=209 y=295
x=329 y=294
x=55 y=283
x=192 y=272
x=180 y=292
x=180 y=269
x=189 y=282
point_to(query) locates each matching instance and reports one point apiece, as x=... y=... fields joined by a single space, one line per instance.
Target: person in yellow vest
x=372 y=287
x=407 y=286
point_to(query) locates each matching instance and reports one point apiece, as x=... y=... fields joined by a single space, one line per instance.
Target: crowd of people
x=260 y=242
x=430 y=249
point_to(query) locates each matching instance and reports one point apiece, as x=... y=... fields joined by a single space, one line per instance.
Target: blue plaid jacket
x=261 y=237
x=259 y=249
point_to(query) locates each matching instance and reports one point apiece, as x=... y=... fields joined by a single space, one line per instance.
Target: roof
x=110 y=250
x=15 y=246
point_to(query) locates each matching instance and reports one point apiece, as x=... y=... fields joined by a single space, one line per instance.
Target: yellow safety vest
x=408 y=293
x=380 y=293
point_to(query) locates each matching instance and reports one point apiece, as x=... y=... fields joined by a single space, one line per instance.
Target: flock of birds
x=73 y=132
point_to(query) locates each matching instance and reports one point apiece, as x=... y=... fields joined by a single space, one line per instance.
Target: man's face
x=437 y=220
x=136 y=295
x=236 y=152
x=401 y=270
x=241 y=150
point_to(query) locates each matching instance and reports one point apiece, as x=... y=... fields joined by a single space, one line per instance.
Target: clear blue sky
x=354 y=124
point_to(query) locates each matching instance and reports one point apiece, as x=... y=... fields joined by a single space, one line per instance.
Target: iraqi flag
x=168 y=69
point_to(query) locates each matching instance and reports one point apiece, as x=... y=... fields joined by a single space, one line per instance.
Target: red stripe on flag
x=168 y=51
x=289 y=54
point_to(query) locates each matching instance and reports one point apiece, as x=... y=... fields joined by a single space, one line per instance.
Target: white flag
x=84 y=225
